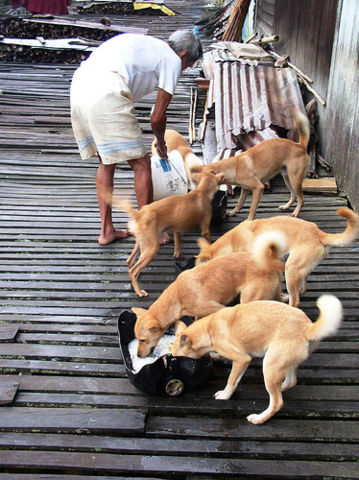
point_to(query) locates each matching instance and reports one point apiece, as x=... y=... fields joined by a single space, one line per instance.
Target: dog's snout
x=145 y=353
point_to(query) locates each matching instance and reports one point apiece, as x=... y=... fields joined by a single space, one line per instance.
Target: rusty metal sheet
x=253 y=98
x=250 y=97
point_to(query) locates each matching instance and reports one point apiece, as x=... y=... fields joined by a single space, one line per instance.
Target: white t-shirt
x=144 y=62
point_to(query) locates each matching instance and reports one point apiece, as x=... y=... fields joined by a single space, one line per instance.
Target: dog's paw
x=230 y=213
x=142 y=293
x=283 y=207
x=284 y=297
x=255 y=419
x=221 y=395
x=293 y=215
x=216 y=356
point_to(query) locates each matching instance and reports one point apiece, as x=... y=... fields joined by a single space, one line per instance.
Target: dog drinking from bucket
x=210 y=286
x=163 y=348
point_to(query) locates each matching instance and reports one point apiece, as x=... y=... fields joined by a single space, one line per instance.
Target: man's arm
x=158 y=121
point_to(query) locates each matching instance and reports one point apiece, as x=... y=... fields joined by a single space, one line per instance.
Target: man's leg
x=104 y=183
x=143 y=180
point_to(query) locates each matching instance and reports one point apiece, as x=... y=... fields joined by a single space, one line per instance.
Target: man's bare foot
x=113 y=236
x=164 y=238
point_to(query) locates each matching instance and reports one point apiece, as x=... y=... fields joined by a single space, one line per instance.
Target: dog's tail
x=117 y=203
x=350 y=233
x=124 y=206
x=329 y=320
x=268 y=249
x=302 y=124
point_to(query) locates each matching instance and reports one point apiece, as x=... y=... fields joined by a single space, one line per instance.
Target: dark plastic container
x=181 y=266
x=219 y=207
x=167 y=375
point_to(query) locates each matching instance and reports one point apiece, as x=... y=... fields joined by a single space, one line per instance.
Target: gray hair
x=186 y=40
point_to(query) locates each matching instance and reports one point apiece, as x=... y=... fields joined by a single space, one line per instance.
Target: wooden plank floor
x=69 y=410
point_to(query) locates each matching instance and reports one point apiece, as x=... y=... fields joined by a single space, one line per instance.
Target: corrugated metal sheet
x=249 y=99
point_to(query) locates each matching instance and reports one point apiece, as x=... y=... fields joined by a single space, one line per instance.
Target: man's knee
x=143 y=163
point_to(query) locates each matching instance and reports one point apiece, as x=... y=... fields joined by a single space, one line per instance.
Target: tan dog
x=251 y=169
x=284 y=335
x=175 y=141
x=177 y=213
x=210 y=286
x=306 y=244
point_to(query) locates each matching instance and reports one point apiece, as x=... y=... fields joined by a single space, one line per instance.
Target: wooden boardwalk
x=68 y=410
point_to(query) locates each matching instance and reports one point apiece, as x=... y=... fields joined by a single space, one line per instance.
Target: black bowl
x=186 y=265
x=167 y=375
x=219 y=207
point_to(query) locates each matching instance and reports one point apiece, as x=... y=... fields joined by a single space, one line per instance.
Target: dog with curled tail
x=283 y=335
x=306 y=244
x=253 y=168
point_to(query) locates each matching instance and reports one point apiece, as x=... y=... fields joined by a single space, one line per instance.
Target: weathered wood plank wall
x=321 y=38
x=341 y=120
x=306 y=33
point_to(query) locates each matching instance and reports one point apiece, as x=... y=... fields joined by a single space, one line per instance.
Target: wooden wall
x=341 y=114
x=306 y=32
x=321 y=38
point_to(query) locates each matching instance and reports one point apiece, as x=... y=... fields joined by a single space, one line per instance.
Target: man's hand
x=161 y=148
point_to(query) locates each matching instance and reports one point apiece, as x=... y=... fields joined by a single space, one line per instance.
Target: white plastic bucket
x=169 y=176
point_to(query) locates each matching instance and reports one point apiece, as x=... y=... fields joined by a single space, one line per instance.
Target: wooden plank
x=8 y=391
x=93 y=340
x=193 y=405
x=84 y=462
x=310 y=375
x=57 y=367
x=326 y=185
x=110 y=354
x=275 y=429
x=56 y=476
x=255 y=447
x=95 y=421
x=8 y=332
x=72 y=384
x=247 y=391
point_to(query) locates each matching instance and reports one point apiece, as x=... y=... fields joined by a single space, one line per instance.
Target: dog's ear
x=180 y=326
x=138 y=311
x=202 y=243
x=155 y=329
x=185 y=340
x=220 y=177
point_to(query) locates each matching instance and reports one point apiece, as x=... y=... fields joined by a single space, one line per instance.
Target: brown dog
x=175 y=141
x=251 y=169
x=306 y=244
x=284 y=335
x=177 y=213
x=212 y=285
